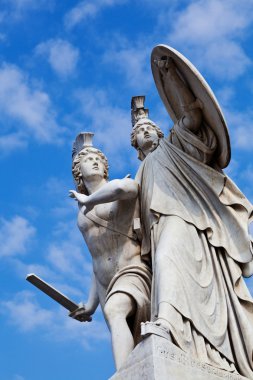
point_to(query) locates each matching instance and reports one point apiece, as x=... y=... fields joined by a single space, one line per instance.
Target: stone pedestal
x=156 y=358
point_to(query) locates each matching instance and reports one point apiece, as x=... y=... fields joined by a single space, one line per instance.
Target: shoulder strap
x=110 y=226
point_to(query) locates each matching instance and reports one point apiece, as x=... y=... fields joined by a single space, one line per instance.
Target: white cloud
x=248 y=173
x=132 y=62
x=238 y=121
x=12 y=141
x=18 y=377
x=68 y=258
x=243 y=135
x=64 y=207
x=2 y=35
x=64 y=210
x=202 y=21
x=68 y=255
x=25 y=313
x=240 y=128
x=25 y=108
x=226 y=95
x=210 y=31
x=111 y=125
x=233 y=169
x=84 y=10
x=17 y=9
x=67 y=264
x=55 y=186
x=246 y=178
x=15 y=236
x=67 y=269
x=2 y=14
x=79 y=13
x=23 y=269
x=61 y=55
x=226 y=59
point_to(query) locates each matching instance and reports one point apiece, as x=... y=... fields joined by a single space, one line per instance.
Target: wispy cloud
x=131 y=60
x=26 y=109
x=84 y=10
x=25 y=313
x=238 y=120
x=240 y=128
x=61 y=55
x=111 y=124
x=57 y=189
x=68 y=256
x=15 y=236
x=66 y=262
x=12 y=141
x=17 y=9
x=2 y=35
x=211 y=32
x=31 y=315
x=80 y=13
x=18 y=377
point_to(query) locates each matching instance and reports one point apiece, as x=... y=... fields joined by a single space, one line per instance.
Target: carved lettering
x=187 y=361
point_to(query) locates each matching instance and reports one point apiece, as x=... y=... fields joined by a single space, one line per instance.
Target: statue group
x=170 y=248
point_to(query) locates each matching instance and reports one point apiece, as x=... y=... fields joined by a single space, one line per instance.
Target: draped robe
x=203 y=218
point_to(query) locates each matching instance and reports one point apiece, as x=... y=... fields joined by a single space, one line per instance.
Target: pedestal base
x=156 y=358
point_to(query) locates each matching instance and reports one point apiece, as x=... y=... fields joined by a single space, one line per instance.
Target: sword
x=52 y=292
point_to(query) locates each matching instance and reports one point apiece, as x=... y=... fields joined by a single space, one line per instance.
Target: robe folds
x=195 y=226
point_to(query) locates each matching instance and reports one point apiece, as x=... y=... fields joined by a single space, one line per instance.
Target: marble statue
x=194 y=221
x=108 y=220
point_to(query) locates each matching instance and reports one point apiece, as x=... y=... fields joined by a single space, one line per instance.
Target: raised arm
x=117 y=189
x=180 y=95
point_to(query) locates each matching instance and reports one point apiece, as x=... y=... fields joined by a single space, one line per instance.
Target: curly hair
x=77 y=163
x=139 y=123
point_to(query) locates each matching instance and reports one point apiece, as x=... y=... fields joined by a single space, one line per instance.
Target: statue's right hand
x=73 y=194
x=81 y=314
x=81 y=198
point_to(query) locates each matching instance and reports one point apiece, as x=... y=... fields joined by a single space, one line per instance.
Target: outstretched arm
x=117 y=189
x=85 y=311
x=180 y=95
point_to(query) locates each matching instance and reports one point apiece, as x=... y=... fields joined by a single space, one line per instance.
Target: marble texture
x=194 y=221
x=108 y=220
x=156 y=358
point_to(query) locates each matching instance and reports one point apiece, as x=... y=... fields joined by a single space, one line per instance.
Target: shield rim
x=221 y=130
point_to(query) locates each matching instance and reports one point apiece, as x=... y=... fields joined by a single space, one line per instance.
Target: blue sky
x=71 y=66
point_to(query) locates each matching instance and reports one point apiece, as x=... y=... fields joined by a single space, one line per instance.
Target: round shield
x=212 y=114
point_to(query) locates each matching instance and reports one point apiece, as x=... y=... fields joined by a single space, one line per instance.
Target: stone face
x=156 y=358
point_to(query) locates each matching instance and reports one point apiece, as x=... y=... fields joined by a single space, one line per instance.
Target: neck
x=146 y=150
x=94 y=183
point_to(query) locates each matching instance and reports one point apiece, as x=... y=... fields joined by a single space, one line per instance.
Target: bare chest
x=104 y=211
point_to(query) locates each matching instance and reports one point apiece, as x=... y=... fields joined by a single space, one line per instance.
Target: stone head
x=89 y=162
x=145 y=136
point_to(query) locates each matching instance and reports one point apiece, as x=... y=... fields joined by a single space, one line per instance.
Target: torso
x=110 y=251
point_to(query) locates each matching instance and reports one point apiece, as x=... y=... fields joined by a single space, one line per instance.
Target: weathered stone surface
x=121 y=280
x=155 y=358
x=191 y=223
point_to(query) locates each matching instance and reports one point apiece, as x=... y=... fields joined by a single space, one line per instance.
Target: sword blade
x=52 y=292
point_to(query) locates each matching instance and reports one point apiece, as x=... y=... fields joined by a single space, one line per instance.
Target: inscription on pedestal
x=164 y=352
x=156 y=358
